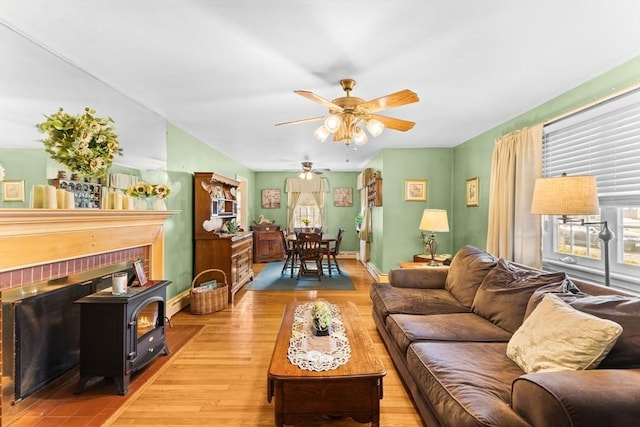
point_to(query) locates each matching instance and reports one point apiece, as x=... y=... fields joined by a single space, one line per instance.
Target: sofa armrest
x=578 y=398
x=423 y=278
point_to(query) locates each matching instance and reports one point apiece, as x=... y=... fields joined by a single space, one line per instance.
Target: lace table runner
x=313 y=353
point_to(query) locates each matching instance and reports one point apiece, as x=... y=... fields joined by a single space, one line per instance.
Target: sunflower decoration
x=84 y=143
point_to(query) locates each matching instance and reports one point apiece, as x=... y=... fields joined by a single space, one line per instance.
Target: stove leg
x=81 y=383
x=122 y=384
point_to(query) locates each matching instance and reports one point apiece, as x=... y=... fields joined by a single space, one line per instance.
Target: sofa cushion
x=557 y=337
x=466 y=272
x=504 y=293
x=389 y=299
x=467 y=384
x=624 y=310
x=408 y=328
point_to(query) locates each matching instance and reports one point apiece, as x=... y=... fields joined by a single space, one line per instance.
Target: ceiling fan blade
x=393 y=123
x=310 y=119
x=393 y=100
x=320 y=100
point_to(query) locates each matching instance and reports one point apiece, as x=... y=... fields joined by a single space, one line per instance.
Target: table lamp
x=572 y=195
x=433 y=220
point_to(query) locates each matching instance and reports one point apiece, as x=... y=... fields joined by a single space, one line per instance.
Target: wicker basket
x=205 y=301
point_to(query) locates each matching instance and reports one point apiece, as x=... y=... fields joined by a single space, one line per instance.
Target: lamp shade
x=434 y=220
x=321 y=133
x=565 y=195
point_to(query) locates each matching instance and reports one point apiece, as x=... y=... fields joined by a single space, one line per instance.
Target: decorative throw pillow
x=622 y=309
x=504 y=293
x=557 y=337
x=467 y=270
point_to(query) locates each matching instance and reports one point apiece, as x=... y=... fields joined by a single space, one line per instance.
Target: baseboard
x=178 y=302
x=348 y=255
x=375 y=273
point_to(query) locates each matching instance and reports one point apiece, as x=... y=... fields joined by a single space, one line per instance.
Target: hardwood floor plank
x=220 y=378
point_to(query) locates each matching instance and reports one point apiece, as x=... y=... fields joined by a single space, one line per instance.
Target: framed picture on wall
x=473 y=192
x=415 y=190
x=13 y=191
x=271 y=199
x=343 y=197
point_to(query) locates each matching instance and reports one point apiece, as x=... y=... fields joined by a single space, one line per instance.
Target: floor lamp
x=433 y=220
x=572 y=195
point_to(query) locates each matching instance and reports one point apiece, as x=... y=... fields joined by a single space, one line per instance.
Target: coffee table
x=351 y=390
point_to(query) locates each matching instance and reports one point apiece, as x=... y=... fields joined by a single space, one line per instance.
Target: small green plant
x=358 y=221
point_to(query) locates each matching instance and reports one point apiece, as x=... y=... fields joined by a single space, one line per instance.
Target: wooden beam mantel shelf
x=31 y=237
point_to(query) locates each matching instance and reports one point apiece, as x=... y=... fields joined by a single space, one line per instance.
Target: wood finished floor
x=219 y=376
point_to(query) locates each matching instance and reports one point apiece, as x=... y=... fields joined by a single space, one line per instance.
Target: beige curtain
x=513 y=232
x=317 y=187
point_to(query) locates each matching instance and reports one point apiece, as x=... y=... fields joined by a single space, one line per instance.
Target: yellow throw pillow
x=557 y=337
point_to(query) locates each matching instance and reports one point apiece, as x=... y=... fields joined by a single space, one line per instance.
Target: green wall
x=473 y=158
x=395 y=235
x=337 y=217
x=187 y=154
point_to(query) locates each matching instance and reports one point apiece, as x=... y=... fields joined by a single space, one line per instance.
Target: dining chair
x=333 y=251
x=309 y=253
x=289 y=251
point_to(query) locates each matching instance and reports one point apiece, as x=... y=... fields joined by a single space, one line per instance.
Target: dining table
x=325 y=243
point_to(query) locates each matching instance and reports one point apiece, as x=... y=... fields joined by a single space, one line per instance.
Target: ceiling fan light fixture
x=321 y=134
x=375 y=127
x=332 y=122
x=305 y=175
x=359 y=136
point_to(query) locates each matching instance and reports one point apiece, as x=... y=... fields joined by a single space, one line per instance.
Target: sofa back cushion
x=466 y=272
x=504 y=293
x=624 y=310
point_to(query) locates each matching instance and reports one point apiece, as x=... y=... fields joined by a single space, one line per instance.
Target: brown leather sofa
x=447 y=330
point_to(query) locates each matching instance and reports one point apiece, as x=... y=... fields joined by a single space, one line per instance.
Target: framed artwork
x=415 y=190
x=343 y=197
x=13 y=191
x=139 y=269
x=271 y=199
x=473 y=192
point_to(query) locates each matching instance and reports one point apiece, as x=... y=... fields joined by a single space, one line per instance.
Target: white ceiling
x=225 y=71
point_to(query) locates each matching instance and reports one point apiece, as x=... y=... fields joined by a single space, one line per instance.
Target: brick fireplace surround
x=38 y=245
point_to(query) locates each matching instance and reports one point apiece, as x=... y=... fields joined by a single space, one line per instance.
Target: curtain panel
x=513 y=232
x=295 y=186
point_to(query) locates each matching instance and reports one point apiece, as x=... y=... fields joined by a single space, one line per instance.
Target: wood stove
x=119 y=334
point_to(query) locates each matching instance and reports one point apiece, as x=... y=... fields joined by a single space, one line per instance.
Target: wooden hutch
x=215 y=245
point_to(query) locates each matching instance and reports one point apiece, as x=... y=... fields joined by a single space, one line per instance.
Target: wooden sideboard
x=267 y=243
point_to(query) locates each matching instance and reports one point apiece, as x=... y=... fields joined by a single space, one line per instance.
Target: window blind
x=602 y=140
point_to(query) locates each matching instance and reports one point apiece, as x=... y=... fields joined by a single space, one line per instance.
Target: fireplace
x=45 y=250
x=120 y=334
x=41 y=326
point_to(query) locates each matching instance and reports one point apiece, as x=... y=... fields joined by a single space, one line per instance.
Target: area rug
x=270 y=279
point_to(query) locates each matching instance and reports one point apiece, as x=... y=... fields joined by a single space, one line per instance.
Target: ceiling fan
x=348 y=112
x=308 y=171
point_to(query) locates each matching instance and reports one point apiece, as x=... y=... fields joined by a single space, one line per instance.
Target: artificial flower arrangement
x=321 y=315
x=83 y=143
x=231 y=226
x=305 y=221
x=144 y=189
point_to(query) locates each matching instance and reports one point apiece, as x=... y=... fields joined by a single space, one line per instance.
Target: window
x=306 y=208
x=604 y=141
